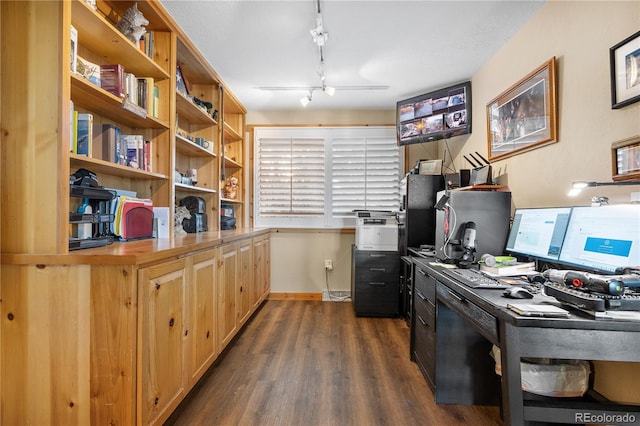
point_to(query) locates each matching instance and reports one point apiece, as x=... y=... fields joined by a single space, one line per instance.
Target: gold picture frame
x=625 y=160
x=524 y=116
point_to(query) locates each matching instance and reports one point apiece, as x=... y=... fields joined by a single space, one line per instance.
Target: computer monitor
x=602 y=239
x=538 y=232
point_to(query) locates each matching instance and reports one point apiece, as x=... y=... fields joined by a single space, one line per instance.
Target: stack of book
x=505 y=270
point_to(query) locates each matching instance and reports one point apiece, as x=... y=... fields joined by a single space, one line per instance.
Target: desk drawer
x=425 y=284
x=484 y=322
x=424 y=347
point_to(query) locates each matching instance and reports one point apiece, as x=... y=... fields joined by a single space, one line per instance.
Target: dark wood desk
x=576 y=337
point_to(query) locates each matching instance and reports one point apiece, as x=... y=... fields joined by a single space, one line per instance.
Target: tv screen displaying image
x=435 y=115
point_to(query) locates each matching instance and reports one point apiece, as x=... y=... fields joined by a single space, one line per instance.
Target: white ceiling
x=409 y=46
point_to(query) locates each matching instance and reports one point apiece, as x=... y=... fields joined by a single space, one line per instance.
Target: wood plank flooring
x=316 y=363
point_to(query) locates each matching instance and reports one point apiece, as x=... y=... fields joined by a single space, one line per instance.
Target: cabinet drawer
x=424 y=347
x=484 y=322
x=376 y=259
x=377 y=274
x=425 y=285
x=376 y=298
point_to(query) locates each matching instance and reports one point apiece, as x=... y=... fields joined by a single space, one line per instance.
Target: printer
x=376 y=230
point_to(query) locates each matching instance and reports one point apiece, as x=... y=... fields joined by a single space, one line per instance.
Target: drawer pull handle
x=377 y=284
x=457 y=297
x=377 y=255
x=420 y=295
x=377 y=269
x=423 y=322
x=423 y=272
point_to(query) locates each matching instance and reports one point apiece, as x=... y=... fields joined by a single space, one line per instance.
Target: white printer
x=376 y=230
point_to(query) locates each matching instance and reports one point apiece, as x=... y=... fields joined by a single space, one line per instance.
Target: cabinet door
x=227 y=281
x=162 y=340
x=203 y=303
x=261 y=269
x=245 y=281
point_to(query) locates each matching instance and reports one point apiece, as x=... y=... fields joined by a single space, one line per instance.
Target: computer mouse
x=517 y=293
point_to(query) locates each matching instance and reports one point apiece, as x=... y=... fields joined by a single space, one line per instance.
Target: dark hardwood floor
x=316 y=363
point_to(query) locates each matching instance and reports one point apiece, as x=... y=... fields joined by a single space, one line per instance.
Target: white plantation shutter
x=316 y=177
x=365 y=174
x=291 y=177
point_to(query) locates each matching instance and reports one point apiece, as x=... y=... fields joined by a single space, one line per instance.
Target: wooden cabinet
x=227 y=294
x=262 y=268
x=202 y=300
x=162 y=337
x=245 y=283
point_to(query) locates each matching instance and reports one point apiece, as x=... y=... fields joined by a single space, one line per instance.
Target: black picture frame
x=624 y=60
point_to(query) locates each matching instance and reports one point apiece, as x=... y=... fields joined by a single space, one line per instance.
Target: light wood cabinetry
x=233 y=144
x=262 y=268
x=227 y=294
x=246 y=283
x=202 y=299
x=197 y=137
x=162 y=340
x=116 y=334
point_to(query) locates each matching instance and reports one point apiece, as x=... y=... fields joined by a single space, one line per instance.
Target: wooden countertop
x=138 y=252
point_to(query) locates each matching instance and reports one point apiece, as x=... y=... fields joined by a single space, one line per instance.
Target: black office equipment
x=476 y=279
x=488 y=210
x=416 y=224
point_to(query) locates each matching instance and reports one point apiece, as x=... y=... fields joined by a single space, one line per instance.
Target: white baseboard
x=336 y=296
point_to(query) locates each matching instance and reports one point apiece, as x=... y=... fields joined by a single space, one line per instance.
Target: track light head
x=329 y=90
x=307 y=99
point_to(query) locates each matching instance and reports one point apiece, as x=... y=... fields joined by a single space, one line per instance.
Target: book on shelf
x=131 y=88
x=88 y=70
x=135 y=153
x=112 y=79
x=518 y=268
x=111 y=143
x=148 y=166
x=145 y=93
x=85 y=134
x=156 y=100
x=74 y=49
x=72 y=127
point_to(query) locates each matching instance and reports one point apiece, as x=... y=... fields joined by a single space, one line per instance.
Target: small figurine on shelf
x=230 y=189
x=181 y=213
x=132 y=24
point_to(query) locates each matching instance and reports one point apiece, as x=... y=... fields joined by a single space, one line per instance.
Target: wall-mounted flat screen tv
x=439 y=114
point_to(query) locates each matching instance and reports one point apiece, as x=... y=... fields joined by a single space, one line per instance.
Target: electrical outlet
x=328 y=264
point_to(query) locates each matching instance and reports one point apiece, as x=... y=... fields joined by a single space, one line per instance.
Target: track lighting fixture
x=329 y=90
x=307 y=99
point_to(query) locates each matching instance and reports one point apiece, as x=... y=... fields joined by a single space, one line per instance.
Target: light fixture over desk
x=577 y=187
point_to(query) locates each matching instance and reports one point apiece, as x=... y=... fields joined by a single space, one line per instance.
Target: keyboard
x=591 y=301
x=475 y=279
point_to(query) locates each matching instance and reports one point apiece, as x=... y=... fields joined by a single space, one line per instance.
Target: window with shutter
x=316 y=177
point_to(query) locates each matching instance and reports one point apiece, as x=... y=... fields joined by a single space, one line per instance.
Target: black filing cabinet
x=423 y=324
x=375 y=282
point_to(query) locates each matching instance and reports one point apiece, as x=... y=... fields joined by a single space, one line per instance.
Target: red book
x=112 y=79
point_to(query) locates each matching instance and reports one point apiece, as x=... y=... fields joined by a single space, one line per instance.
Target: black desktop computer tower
x=475 y=222
x=417 y=217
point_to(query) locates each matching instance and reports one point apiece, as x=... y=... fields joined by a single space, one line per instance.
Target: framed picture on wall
x=524 y=116
x=625 y=160
x=624 y=60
